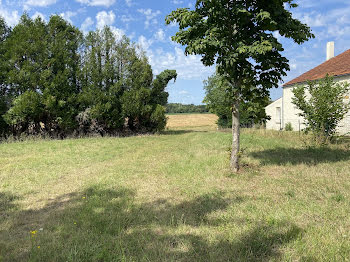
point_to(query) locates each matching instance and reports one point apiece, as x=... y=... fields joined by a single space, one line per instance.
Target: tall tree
x=61 y=89
x=43 y=64
x=237 y=36
x=118 y=85
x=4 y=33
x=55 y=82
x=104 y=78
x=28 y=53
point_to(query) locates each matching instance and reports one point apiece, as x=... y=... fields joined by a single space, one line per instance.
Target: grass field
x=171 y=197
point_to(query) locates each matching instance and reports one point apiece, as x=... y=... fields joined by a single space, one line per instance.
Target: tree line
x=56 y=81
x=178 y=108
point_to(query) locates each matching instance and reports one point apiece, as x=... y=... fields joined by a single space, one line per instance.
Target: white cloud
x=338 y=16
x=40 y=3
x=150 y=16
x=187 y=67
x=338 y=31
x=126 y=18
x=106 y=3
x=107 y=19
x=177 y=2
x=11 y=17
x=178 y=95
x=132 y=35
x=38 y=14
x=68 y=15
x=160 y=35
x=103 y=18
x=326 y=23
x=145 y=43
x=318 y=3
x=312 y=19
x=128 y=2
x=85 y=26
x=118 y=33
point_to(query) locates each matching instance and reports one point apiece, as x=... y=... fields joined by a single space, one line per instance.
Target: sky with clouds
x=143 y=22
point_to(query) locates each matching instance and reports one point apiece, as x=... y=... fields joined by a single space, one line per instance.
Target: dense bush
x=177 y=108
x=288 y=127
x=55 y=81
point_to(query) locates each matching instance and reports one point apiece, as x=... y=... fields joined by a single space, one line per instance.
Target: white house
x=283 y=111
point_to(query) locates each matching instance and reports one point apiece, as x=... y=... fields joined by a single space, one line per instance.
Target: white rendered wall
x=290 y=112
x=275 y=123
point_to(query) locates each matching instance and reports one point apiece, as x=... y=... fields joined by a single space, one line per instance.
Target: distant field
x=191 y=120
x=171 y=197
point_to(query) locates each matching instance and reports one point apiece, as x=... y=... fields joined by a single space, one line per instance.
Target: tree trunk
x=235 y=137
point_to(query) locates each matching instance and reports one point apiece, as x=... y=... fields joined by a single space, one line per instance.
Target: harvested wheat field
x=192 y=120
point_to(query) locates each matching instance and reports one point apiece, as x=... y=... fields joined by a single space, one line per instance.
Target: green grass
x=171 y=197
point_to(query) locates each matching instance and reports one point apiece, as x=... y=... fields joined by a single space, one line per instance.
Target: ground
x=171 y=197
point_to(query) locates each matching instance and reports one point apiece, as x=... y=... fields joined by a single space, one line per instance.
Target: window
x=278 y=115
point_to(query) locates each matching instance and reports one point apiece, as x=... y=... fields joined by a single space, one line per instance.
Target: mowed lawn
x=171 y=197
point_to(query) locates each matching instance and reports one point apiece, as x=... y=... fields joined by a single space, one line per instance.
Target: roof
x=336 y=66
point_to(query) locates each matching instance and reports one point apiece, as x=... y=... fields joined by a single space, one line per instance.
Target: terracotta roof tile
x=336 y=66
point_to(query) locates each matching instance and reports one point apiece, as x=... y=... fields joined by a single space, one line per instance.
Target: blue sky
x=143 y=22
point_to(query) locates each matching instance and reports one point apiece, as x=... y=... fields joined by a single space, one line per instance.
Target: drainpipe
x=282 y=117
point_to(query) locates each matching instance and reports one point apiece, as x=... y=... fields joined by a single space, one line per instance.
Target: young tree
x=322 y=105
x=218 y=97
x=237 y=36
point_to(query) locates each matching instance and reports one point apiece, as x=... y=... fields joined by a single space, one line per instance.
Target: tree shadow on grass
x=109 y=225
x=342 y=140
x=7 y=205
x=293 y=156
